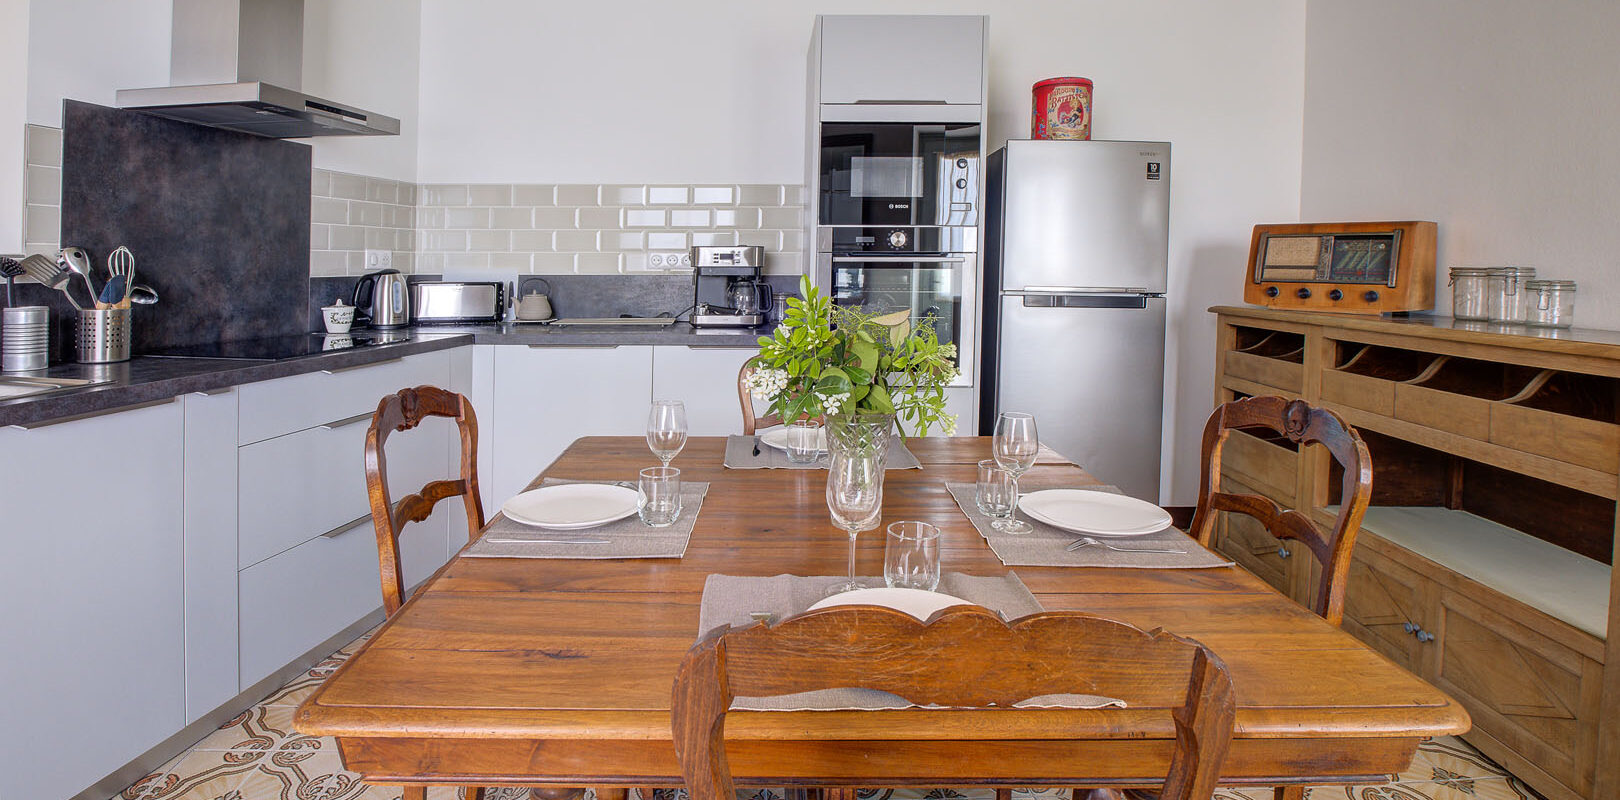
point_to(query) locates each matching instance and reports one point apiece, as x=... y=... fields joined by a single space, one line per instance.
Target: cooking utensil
x=50 y=275
x=114 y=291
x=142 y=295
x=10 y=268
x=534 y=305
x=382 y=299
x=121 y=263
x=77 y=261
x=1087 y=541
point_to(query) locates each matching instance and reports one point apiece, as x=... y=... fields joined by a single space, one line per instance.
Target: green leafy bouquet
x=830 y=359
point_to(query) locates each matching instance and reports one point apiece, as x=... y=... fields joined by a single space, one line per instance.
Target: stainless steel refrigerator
x=1076 y=249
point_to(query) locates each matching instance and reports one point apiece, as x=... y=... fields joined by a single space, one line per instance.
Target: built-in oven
x=899 y=173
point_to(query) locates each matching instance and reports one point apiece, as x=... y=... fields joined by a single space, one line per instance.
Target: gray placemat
x=625 y=538
x=1046 y=545
x=740 y=455
x=734 y=600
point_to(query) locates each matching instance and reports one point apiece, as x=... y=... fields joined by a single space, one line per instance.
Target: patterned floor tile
x=192 y=776
x=1449 y=758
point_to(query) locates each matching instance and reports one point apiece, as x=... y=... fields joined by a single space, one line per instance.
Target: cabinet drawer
x=1271 y=470
x=1359 y=391
x=296 y=487
x=1536 y=695
x=1383 y=606
x=1586 y=442
x=1274 y=372
x=284 y=405
x=1444 y=411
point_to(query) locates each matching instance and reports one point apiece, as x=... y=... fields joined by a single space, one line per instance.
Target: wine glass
x=666 y=429
x=1014 y=446
x=855 y=501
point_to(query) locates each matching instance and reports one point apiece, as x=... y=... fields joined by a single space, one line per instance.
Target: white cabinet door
x=93 y=624
x=705 y=379
x=546 y=397
x=902 y=59
x=210 y=509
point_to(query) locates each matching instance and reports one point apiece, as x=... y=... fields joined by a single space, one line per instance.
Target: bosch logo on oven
x=1152 y=170
x=899 y=206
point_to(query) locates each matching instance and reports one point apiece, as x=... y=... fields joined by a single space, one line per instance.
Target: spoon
x=1087 y=541
x=142 y=295
x=78 y=261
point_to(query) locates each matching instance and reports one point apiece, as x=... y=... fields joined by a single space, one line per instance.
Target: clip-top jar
x=1551 y=304
x=1509 y=301
x=1469 y=289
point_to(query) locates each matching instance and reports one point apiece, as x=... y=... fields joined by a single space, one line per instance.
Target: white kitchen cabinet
x=705 y=379
x=902 y=59
x=211 y=552
x=93 y=620
x=546 y=397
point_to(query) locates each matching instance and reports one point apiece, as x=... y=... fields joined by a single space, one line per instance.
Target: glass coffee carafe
x=750 y=297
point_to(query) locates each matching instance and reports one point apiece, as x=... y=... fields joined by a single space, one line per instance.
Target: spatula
x=50 y=275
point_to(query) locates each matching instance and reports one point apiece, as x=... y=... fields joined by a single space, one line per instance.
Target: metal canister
x=1062 y=109
x=25 y=335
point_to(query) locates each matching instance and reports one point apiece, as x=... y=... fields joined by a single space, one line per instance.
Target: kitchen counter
x=146 y=380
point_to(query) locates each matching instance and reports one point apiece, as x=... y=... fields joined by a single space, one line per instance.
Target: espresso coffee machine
x=728 y=287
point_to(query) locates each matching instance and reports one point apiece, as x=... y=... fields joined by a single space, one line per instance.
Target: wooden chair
x=751 y=421
x=1303 y=425
x=942 y=661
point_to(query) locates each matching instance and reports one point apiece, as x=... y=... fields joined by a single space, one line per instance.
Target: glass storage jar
x=1506 y=296
x=1468 y=292
x=1550 y=304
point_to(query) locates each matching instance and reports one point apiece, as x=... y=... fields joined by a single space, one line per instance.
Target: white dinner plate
x=777 y=438
x=1093 y=512
x=568 y=506
x=916 y=602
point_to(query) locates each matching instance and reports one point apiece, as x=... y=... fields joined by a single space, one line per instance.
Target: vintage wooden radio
x=1357 y=267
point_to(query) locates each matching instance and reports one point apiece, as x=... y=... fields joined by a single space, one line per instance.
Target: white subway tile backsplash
x=366 y=214
x=556 y=218
x=596 y=263
x=632 y=241
x=511 y=262
x=348 y=237
x=666 y=195
x=578 y=195
x=552 y=263
x=689 y=218
x=491 y=241
x=713 y=195
x=532 y=241
x=42 y=145
x=44 y=185
x=714 y=239
x=382 y=190
x=348 y=187
x=430 y=217
x=781 y=218
x=598 y=218
x=318 y=236
x=575 y=241
x=666 y=241
x=329 y=210
x=430 y=262
x=443 y=241
x=793 y=195
x=466 y=261
x=485 y=194
x=624 y=195
x=520 y=218
x=444 y=195
x=759 y=195
x=770 y=240
x=745 y=218
x=466 y=218
x=328 y=263
x=643 y=218
x=532 y=195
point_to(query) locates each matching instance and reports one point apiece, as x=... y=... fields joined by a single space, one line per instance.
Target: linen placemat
x=734 y=600
x=626 y=538
x=740 y=455
x=1046 y=546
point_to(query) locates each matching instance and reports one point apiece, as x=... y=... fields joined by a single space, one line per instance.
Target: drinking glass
x=855 y=501
x=666 y=429
x=911 y=556
x=1015 y=445
x=995 y=492
x=658 y=496
x=804 y=439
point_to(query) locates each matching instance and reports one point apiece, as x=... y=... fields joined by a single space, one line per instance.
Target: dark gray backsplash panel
x=218 y=221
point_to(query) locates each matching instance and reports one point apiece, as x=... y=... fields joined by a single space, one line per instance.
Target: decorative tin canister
x=1062 y=109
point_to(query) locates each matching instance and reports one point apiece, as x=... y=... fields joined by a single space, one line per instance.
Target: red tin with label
x=1062 y=109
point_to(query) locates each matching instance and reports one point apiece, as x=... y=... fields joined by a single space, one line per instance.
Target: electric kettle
x=383 y=299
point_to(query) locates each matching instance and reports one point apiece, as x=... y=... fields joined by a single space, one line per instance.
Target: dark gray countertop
x=144 y=380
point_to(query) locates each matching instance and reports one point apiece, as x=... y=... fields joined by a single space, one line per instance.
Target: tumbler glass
x=659 y=496
x=911 y=556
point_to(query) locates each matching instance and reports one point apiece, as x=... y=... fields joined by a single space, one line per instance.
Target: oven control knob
x=1370 y=296
x=1271 y=291
x=897 y=239
x=1304 y=293
x=1335 y=295
x=961 y=183
x=961 y=163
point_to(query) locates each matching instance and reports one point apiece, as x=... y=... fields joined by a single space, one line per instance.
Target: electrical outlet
x=379 y=259
x=669 y=259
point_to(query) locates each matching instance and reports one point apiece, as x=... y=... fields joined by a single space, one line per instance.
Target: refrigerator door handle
x=1044 y=290
x=1083 y=299
x=899 y=259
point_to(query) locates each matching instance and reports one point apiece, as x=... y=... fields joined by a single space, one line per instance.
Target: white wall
x=89 y=49
x=713 y=90
x=1495 y=118
x=365 y=53
x=13 y=115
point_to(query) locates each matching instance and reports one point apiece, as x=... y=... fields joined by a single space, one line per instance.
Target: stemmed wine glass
x=1014 y=446
x=666 y=429
x=855 y=500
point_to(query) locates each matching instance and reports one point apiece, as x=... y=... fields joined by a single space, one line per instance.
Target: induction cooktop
x=276 y=348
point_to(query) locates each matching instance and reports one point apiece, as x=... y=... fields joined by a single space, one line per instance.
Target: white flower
x=766 y=384
x=948 y=425
x=830 y=403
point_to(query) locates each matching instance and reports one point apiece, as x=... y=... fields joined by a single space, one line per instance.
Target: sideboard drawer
x=281 y=406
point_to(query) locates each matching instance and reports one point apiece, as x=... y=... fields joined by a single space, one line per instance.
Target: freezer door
x=1094 y=379
x=1084 y=214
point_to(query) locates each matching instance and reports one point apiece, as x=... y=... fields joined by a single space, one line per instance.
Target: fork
x=1087 y=541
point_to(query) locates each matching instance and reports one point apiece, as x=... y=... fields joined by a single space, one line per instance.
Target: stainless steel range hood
x=232 y=63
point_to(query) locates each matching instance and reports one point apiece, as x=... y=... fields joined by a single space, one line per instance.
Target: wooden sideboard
x=1484 y=563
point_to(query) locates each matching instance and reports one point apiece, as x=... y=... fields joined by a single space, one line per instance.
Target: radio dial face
x=897 y=239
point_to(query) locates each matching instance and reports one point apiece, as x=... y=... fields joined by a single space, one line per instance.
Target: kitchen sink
x=12 y=386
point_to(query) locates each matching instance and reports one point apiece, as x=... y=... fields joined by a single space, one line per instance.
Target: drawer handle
x=362 y=366
x=214 y=392
x=347 y=526
x=1410 y=628
x=1423 y=636
x=574 y=347
x=46 y=423
x=345 y=421
x=1282 y=552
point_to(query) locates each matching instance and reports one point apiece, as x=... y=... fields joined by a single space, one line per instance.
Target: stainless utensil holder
x=104 y=335
x=25 y=339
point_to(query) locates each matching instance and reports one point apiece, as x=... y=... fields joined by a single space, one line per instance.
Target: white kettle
x=534 y=306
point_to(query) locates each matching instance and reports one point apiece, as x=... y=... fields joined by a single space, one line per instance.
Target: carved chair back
x=942 y=661
x=1303 y=425
x=403 y=411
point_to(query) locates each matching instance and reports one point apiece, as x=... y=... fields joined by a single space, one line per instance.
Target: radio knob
x=1304 y=293
x=1370 y=296
x=1335 y=295
x=1271 y=291
x=897 y=239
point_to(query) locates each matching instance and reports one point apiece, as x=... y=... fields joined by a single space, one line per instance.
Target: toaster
x=454 y=302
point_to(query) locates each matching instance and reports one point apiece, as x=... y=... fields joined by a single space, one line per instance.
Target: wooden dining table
x=552 y=672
